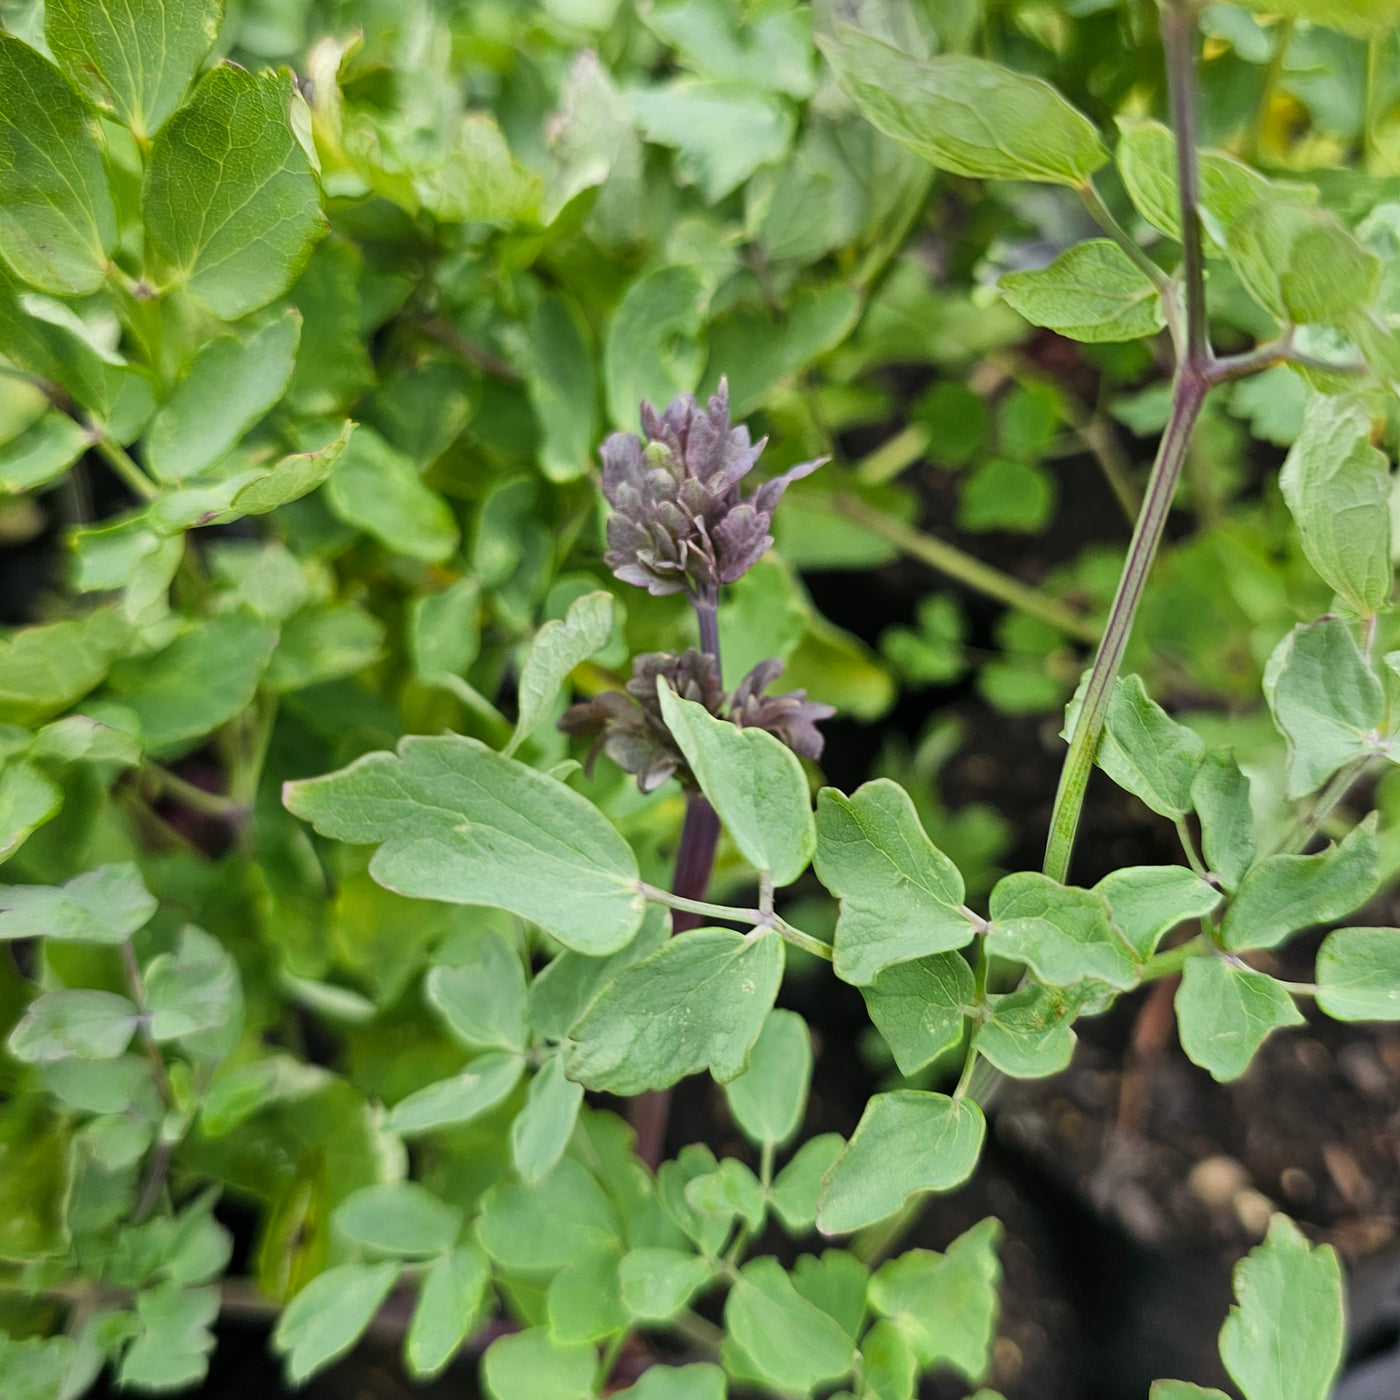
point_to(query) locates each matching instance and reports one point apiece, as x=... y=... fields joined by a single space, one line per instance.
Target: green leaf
x=1300 y=264
x=330 y=1315
x=1184 y=1390
x=901 y=897
x=171 y=1349
x=444 y=631
x=946 y=1304
x=1146 y=751
x=769 y=1098
x=321 y=644
x=561 y=992
x=1225 y=1011
x=1093 y=291
x=530 y=1365
x=1029 y=1032
x=462 y=824
x=698 y=1381
x=1147 y=901
x=918 y=1007
x=1358 y=974
x=36 y=1179
x=557 y=648
x=57 y=221
x=753 y=780
x=1285 y=1335
x=906 y=1142
x=697 y=1003
x=290 y=478
x=658 y=1283
x=765 y=49
x=1366 y=19
x=721 y=132
x=793 y=1343
x=542 y=1129
x=376 y=488
x=654 y=348
x=889 y=1369
x=194 y=990
x=560 y=1218
x=482 y=1000
x=106 y=905
x=92 y=1025
x=486 y=1082
x=1337 y=486
x=398 y=1217
x=1065 y=934
x=230 y=202
x=965 y=114
x=199 y=682
x=559 y=364
x=226 y=388
x=1282 y=894
x=28 y=798
x=1146 y=158
x=798 y=1187
x=138 y=60
x=837 y=1282
x=45 y=669
x=1326 y=701
x=1220 y=794
x=450 y=1304
x=41 y=453
x=732 y=1191
x=584 y=1299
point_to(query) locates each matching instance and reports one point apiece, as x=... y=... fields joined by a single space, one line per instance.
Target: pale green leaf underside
x=457 y=822
x=1358 y=974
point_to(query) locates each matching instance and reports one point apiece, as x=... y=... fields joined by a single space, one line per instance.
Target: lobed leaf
x=906 y=1142
x=1093 y=292
x=456 y=822
x=1224 y=1011
x=901 y=897
x=1358 y=974
x=699 y=1002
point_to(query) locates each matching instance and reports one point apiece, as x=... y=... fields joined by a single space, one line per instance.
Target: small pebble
x=1007 y=1361
x=1296 y=1184
x=1216 y=1181
x=1253 y=1210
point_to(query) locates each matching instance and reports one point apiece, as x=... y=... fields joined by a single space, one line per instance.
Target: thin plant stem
x=1187 y=397
x=117 y=457
x=197 y=799
x=964 y=569
x=1283 y=33
x=159 y=1162
x=1107 y=221
x=1337 y=788
x=1179 y=44
x=1192 y=381
x=1188 y=845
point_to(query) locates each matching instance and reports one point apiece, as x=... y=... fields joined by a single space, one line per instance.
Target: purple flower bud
x=678 y=521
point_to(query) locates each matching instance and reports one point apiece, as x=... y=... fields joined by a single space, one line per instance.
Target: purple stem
x=695 y=858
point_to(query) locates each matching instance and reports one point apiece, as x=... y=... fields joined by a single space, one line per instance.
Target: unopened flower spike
x=679 y=522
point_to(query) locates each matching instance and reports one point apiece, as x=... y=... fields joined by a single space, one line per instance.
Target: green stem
x=1188 y=394
x=120 y=461
x=1188 y=845
x=963 y=568
x=1106 y=220
x=1169 y=963
x=1337 y=788
x=197 y=799
x=805 y=941
x=1283 y=32
x=1194 y=377
x=753 y=917
x=873 y=1244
